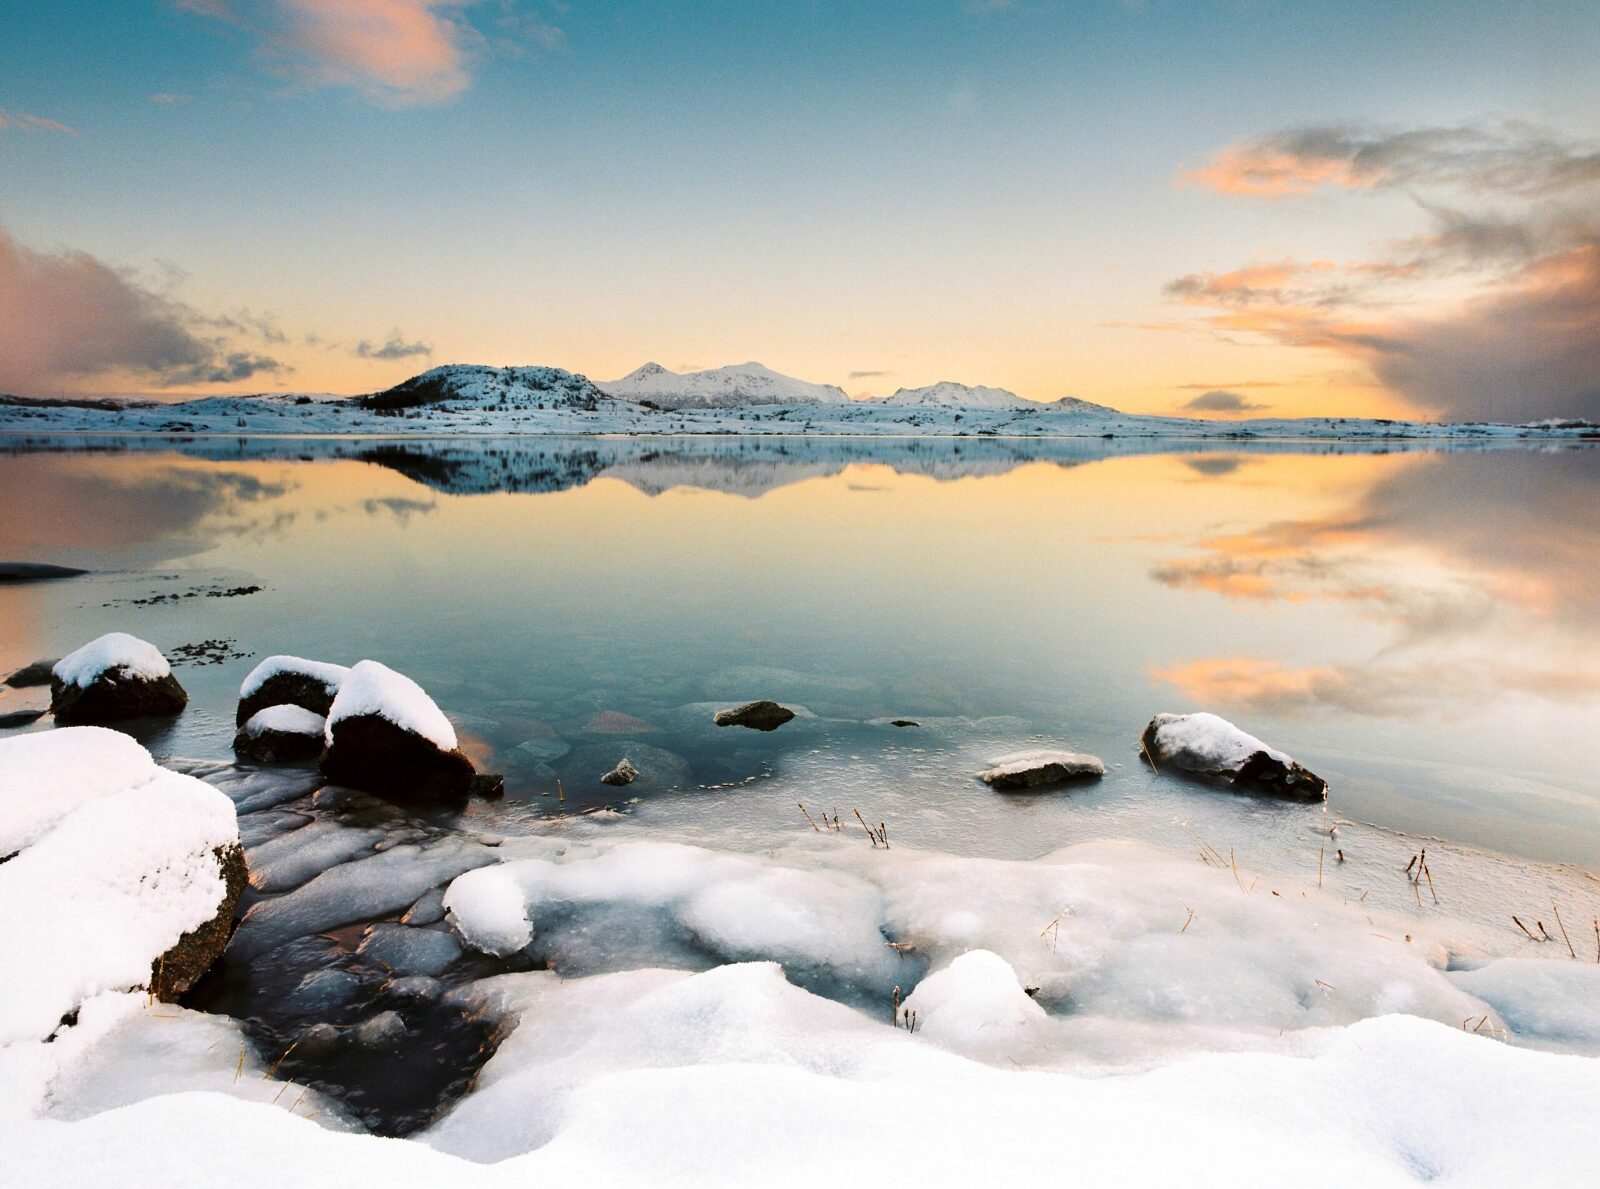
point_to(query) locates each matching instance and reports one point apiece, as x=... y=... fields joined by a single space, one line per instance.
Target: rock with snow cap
x=1037 y=769
x=114 y=677
x=385 y=735
x=623 y=773
x=279 y=734
x=1208 y=746
x=289 y=681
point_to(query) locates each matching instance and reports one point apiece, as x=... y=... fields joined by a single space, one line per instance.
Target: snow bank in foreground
x=734 y=1077
x=114 y=650
x=121 y=861
x=373 y=688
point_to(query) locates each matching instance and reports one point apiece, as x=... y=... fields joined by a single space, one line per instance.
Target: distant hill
x=720 y=388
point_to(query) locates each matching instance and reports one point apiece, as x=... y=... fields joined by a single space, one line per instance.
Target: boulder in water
x=623 y=773
x=1211 y=747
x=758 y=716
x=385 y=735
x=1037 y=769
x=115 y=677
x=289 y=681
x=280 y=733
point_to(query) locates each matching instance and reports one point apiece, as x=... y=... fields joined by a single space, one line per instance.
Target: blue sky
x=984 y=192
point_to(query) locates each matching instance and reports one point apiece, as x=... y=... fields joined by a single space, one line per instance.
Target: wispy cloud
x=394 y=347
x=1492 y=313
x=1501 y=159
x=21 y=121
x=1220 y=400
x=395 y=53
x=868 y=375
x=66 y=317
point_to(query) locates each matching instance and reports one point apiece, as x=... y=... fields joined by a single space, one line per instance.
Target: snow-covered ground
x=748 y=399
x=718 y=1018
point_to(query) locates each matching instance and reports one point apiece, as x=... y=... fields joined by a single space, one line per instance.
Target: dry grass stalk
x=1525 y=928
x=238 y=1070
x=1563 y=929
x=894 y=1012
x=561 y=793
x=1146 y=753
x=1597 y=939
x=879 y=837
x=814 y=825
x=1234 y=863
x=1188 y=922
x=268 y=1073
x=1322 y=853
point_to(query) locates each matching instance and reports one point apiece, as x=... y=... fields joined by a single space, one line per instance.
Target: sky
x=1230 y=208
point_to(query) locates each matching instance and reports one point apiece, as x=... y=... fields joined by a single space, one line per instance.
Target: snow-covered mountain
x=720 y=388
x=462 y=386
x=947 y=394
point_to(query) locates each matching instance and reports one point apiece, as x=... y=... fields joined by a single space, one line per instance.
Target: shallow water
x=1419 y=628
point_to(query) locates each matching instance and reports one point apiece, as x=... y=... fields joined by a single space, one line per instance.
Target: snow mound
x=489 y=910
x=109 y=885
x=373 y=688
x=1208 y=742
x=1540 y=998
x=975 y=1004
x=286 y=720
x=331 y=676
x=114 y=650
x=45 y=776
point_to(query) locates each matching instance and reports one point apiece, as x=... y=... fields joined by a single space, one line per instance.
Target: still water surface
x=1423 y=629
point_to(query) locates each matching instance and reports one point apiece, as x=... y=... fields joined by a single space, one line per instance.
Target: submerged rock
x=758 y=716
x=1037 y=769
x=321 y=991
x=387 y=736
x=115 y=677
x=383 y=1031
x=280 y=733
x=35 y=571
x=406 y=950
x=32 y=675
x=623 y=773
x=1208 y=746
x=317 y=1042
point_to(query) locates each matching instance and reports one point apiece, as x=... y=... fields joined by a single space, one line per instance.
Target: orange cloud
x=24 y=122
x=397 y=53
x=1261 y=171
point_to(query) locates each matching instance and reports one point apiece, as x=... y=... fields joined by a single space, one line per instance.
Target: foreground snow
x=1108 y=1013
x=118 y=861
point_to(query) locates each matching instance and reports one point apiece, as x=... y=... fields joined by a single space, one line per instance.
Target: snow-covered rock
x=385 y=735
x=975 y=1005
x=720 y=388
x=114 y=677
x=289 y=681
x=1035 y=769
x=126 y=878
x=1210 y=746
x=281 y=733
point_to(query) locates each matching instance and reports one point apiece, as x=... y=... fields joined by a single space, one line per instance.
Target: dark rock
x=32 y=571
x=489 y=786
x=317 y=1042
x=367 y=751
x=623 y=773
x=32 y=675
x=758 y=716
x=19 y=718
x=114 y=695
x=175 y=971
x=287 y=689
x=904 y=722
x=383 y=1031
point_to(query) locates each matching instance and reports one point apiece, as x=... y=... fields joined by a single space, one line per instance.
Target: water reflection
x=1418 y=627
